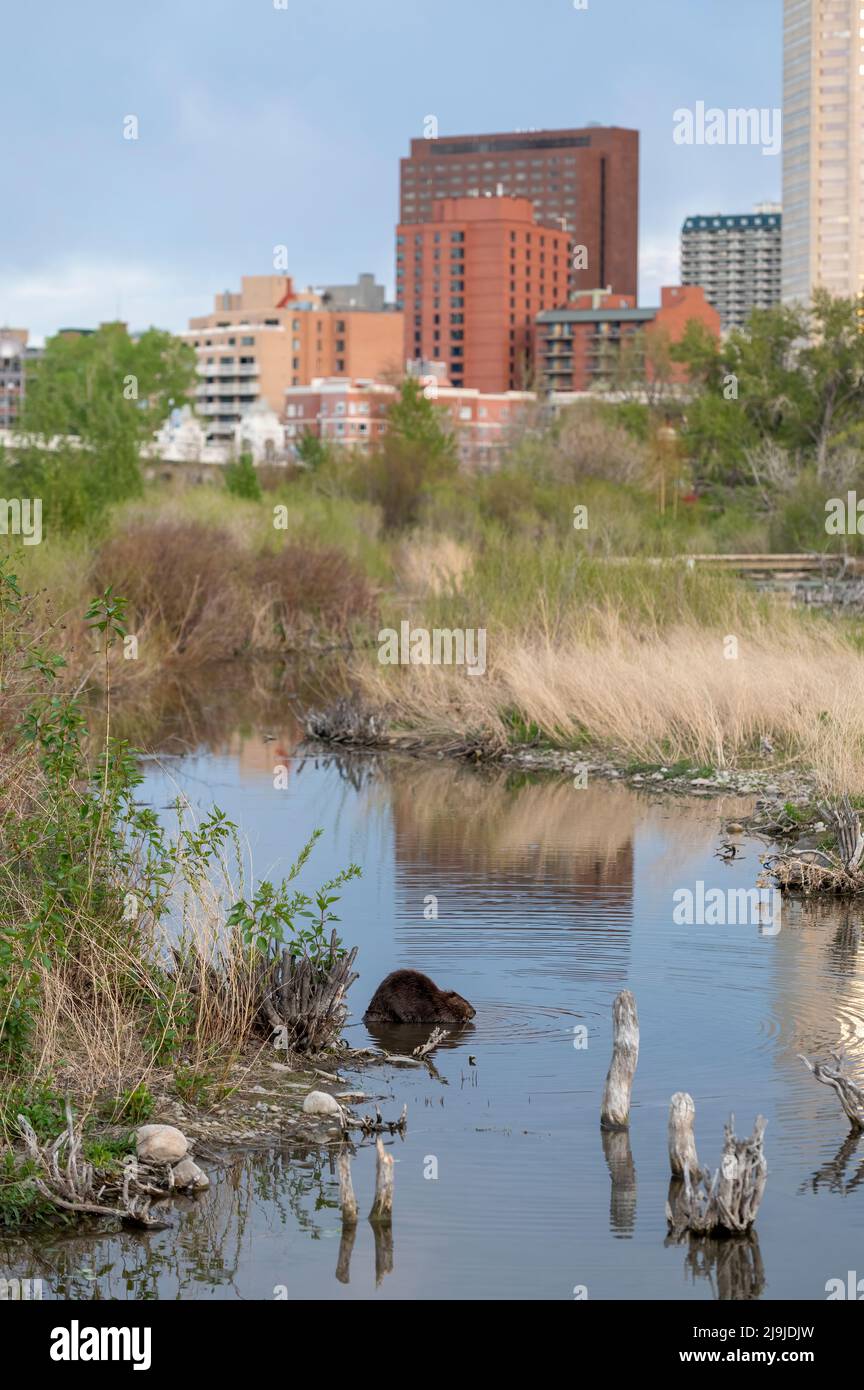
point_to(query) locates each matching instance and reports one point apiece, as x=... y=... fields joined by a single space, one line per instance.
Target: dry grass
x=428 y=564
x=675 y=696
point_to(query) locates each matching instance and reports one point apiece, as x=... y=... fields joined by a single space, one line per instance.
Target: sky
x=261 y=126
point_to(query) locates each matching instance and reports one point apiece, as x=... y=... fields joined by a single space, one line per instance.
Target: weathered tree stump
x=304 y=1003
x=682 y=1141
x=347 y=1200
x=382 y=1206
x=730 y=1201
x=615 y=1108
x=850 y=1095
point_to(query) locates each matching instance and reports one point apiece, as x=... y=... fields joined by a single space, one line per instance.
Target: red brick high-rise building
x=472 y=281
x=586 y=180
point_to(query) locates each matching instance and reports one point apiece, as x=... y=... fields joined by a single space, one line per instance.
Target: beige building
x=823 y=86
x=270 y=336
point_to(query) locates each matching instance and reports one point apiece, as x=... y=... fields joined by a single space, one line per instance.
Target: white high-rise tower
x=823 y=110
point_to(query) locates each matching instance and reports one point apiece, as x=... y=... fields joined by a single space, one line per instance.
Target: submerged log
x=850 y=1095
x=615 y=1107
x=730 y=1201
x=682 y=1141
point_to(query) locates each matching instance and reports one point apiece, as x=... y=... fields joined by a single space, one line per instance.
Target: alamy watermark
x=724 y=907
x=442 y=646
x=701 y=125
x=21 y=516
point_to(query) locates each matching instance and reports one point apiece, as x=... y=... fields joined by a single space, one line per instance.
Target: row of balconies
x=240 y=369
x=227 y=388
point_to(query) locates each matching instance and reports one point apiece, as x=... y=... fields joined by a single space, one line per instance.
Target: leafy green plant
x=271 y=921
x=241 y=479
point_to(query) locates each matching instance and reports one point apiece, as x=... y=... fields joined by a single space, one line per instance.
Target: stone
x=188 y=1176
x=160 y=1144
x=319 y=1103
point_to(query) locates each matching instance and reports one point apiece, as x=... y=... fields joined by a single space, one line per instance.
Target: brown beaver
x=406 y=996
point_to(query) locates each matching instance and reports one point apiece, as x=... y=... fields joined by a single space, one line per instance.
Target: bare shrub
x=184 y=578
x=313 y=589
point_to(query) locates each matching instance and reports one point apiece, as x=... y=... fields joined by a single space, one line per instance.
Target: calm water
x=550 y=900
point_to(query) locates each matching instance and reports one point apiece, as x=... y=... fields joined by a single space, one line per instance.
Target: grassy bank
x=648 y=660
x=135 y=958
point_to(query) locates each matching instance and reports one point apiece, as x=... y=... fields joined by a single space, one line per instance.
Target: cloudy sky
x=260 y=126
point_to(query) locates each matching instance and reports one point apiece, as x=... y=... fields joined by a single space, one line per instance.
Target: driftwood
x=822 y=871
x=730 y=1201
x=436 y=1037
x=346 y=721
x=382 y=1206
x=615 y=1108
x=375 y=1124
x=682 y=1141
x=850 y=1095
x=67 y=1181
x=304 y=1003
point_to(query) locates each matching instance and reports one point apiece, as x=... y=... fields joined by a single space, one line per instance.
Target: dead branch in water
x=67 y=1181
x=376 y=1124
x=346 y=721
x=436 y=1037
x=850 y=1095
x=304 y=1004
x=821 y=871
x=730 y=1201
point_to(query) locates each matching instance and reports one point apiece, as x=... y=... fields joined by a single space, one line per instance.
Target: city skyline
x=287 y=129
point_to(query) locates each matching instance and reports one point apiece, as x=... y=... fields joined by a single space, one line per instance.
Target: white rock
x=160 y=1144
x=319 y=1103
x=187 y=1174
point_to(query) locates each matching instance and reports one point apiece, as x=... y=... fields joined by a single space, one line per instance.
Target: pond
x=538 y=900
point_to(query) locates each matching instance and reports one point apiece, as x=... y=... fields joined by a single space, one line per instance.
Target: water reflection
x=539 y=902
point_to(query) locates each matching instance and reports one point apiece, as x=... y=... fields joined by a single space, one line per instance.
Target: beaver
x=406 y=996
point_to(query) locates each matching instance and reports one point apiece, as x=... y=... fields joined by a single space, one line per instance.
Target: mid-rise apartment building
x=15 y=356
x=578 y=347
x=584 y=180
x=353 y=413
x=471 y=282
x=736 y=260
x=269 y=336
x=823 y=147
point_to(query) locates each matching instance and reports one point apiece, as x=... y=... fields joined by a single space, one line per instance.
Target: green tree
x=109 y=392
x=414 y=419
x=417 y=451
x=241 y=480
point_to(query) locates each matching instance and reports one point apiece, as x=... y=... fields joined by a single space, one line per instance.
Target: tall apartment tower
x=585 y=180
x=823 y=111
x=472 y=280
x=736 y=260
